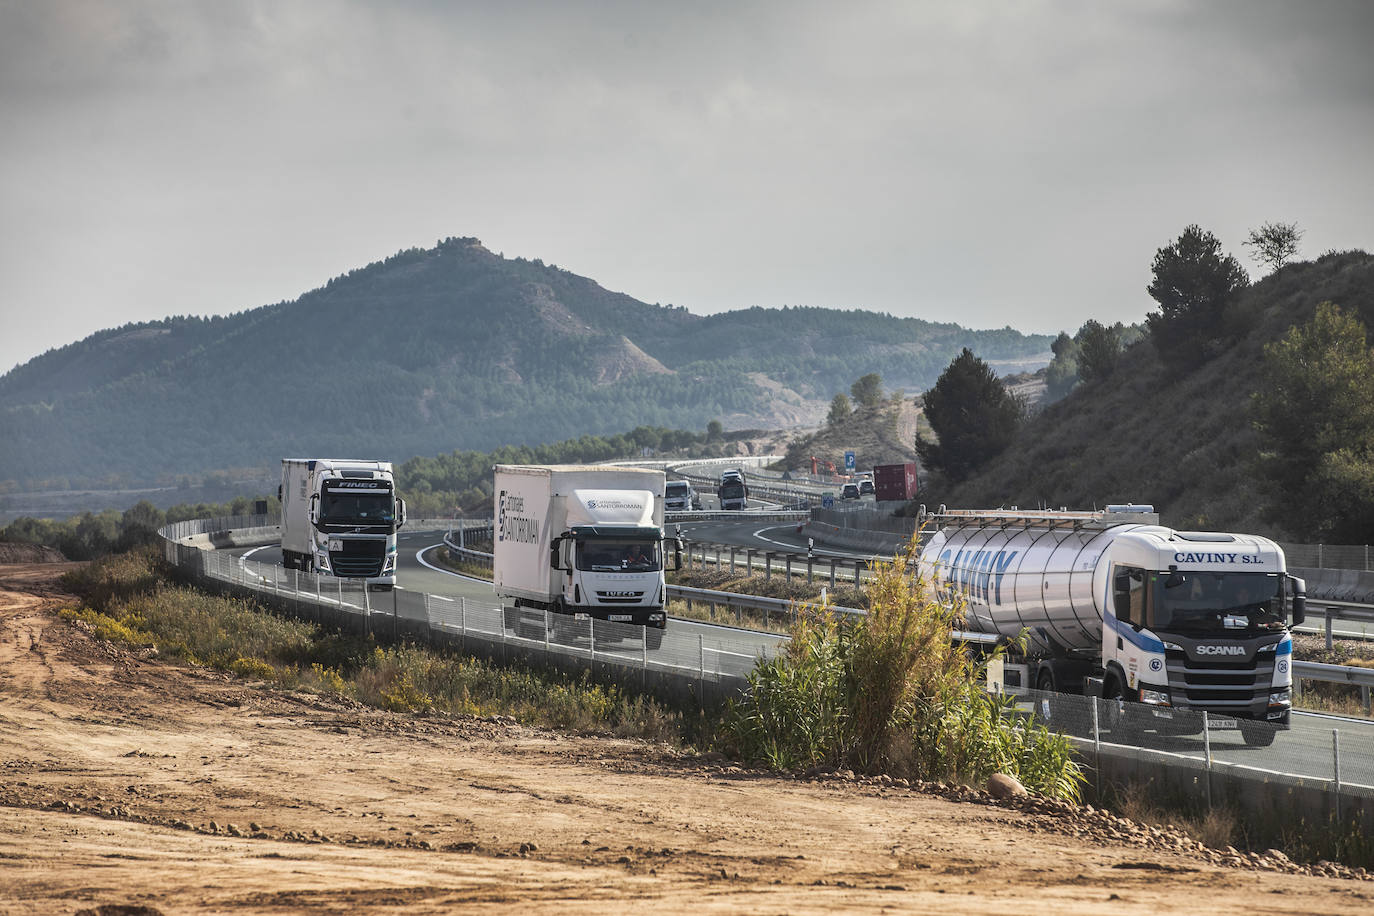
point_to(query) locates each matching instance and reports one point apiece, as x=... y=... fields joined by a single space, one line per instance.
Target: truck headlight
x=1152 y=697
x=1282 y=697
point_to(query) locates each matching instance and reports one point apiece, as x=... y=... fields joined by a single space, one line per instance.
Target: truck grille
x=359 y=559
x=620 y=597
x=1220 y=686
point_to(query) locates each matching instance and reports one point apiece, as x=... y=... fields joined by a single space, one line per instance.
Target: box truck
x=580 y=541
x=1114 y=605
x=894 y=481
x=340 y=517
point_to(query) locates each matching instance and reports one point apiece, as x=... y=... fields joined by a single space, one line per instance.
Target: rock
x=1277 y=854
x=1002 y=785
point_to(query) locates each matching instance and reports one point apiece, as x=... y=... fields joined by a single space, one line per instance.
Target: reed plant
x=892 y=692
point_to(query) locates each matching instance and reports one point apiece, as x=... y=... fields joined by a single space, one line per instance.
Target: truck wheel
x=654 y=637
x=1121 y=720
x=1257 y=734
x=1045 y=680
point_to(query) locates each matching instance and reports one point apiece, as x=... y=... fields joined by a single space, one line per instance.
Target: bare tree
x=1274 y=243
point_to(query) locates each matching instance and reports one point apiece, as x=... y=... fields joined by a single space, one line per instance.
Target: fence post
x=858 y=567
x=767 y=566
x=832 y=574
x=1336 y=769
x=463 y=619
x=1097 y=745
x=591 y=639
x=367 y=610
x=1207 y=746
x=701 y=663
x=395 y=617
x=732 y=561
x=789 y=569
x=810 y=569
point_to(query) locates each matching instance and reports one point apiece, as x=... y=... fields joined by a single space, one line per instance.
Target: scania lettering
x=1114 y=605
x=575 y=541
x=340 y=518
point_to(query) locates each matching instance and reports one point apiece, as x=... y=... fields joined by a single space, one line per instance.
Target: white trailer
x=580 y=540
x=1114 y=605
x=340 y=518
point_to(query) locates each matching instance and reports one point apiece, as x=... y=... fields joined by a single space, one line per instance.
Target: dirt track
x=127 y=783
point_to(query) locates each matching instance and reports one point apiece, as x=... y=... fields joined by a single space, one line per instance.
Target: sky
x=987 y=163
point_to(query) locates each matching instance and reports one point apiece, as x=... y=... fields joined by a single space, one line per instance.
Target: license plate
x=1220 y=723
x=335 y=544
x=620 y=618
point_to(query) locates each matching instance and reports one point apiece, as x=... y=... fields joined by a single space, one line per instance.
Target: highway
x=1306 y=750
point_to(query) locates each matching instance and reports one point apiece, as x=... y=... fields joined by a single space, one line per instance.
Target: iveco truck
x=1117 y=606
x=339 y=518
x=580 y=541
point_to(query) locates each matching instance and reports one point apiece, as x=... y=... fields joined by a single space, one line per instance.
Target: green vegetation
x=432 y=350
x=1193 y=284
x=891 y=693
x=1274 y=244
x=1316 y=416
x=973 y=416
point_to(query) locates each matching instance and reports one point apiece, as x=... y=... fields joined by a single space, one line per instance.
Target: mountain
x=1182 y=441
x=440 y=349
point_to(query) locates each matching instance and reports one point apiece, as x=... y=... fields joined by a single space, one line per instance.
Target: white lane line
x=819 y=551
x=420 y=558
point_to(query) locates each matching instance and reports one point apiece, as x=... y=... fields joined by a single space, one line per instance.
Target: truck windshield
x=676 y=490
x=356 y=508
x=1214 y=602
x=605 y=554
x=732 y=491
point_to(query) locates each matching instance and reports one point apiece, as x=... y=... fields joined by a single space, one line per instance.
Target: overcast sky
x=989 y=163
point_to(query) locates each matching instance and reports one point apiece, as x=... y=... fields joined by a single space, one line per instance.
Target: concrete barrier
x=1337 y=584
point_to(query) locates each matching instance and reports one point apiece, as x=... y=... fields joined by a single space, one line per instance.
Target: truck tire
x=653 y=637
x=1257 y=734
x=1121 y=719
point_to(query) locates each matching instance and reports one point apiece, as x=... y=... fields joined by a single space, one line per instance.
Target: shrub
x=893 y=692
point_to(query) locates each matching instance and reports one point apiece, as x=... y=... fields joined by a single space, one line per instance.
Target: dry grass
x=1217 y=828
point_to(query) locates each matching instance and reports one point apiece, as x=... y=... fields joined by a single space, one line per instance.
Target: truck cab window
x=1128 y=594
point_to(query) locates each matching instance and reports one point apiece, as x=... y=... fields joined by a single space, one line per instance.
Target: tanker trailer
x=1116 y=606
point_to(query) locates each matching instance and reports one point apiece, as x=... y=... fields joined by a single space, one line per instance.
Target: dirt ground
x=129 y=786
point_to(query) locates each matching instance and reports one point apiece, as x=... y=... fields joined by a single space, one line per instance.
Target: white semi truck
x=584 y=541
x=1116 y=606
x=340 y=517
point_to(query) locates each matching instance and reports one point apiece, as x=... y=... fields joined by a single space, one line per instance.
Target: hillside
x=1182 y=442
x=453 y=347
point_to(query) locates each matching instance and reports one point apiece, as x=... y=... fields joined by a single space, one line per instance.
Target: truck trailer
x=894 y=481
x=580 y=541
x=1111 y=604
x=340 y=518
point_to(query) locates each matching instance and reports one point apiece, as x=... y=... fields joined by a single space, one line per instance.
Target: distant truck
x=680 y=496
x=733 y=492
x=895 y=481
x=1116 y=606
x=580 y=541
x=340 y=518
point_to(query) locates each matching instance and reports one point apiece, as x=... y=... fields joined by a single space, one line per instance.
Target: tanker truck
x=582 y=542
x=1113 y=605
x=339 y=518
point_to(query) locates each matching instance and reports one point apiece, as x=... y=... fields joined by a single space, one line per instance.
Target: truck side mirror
x=400 y=512
x=314 y=508
x=677 y=553
x=554 y=547
x=1299 y=588
x=278 y=492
